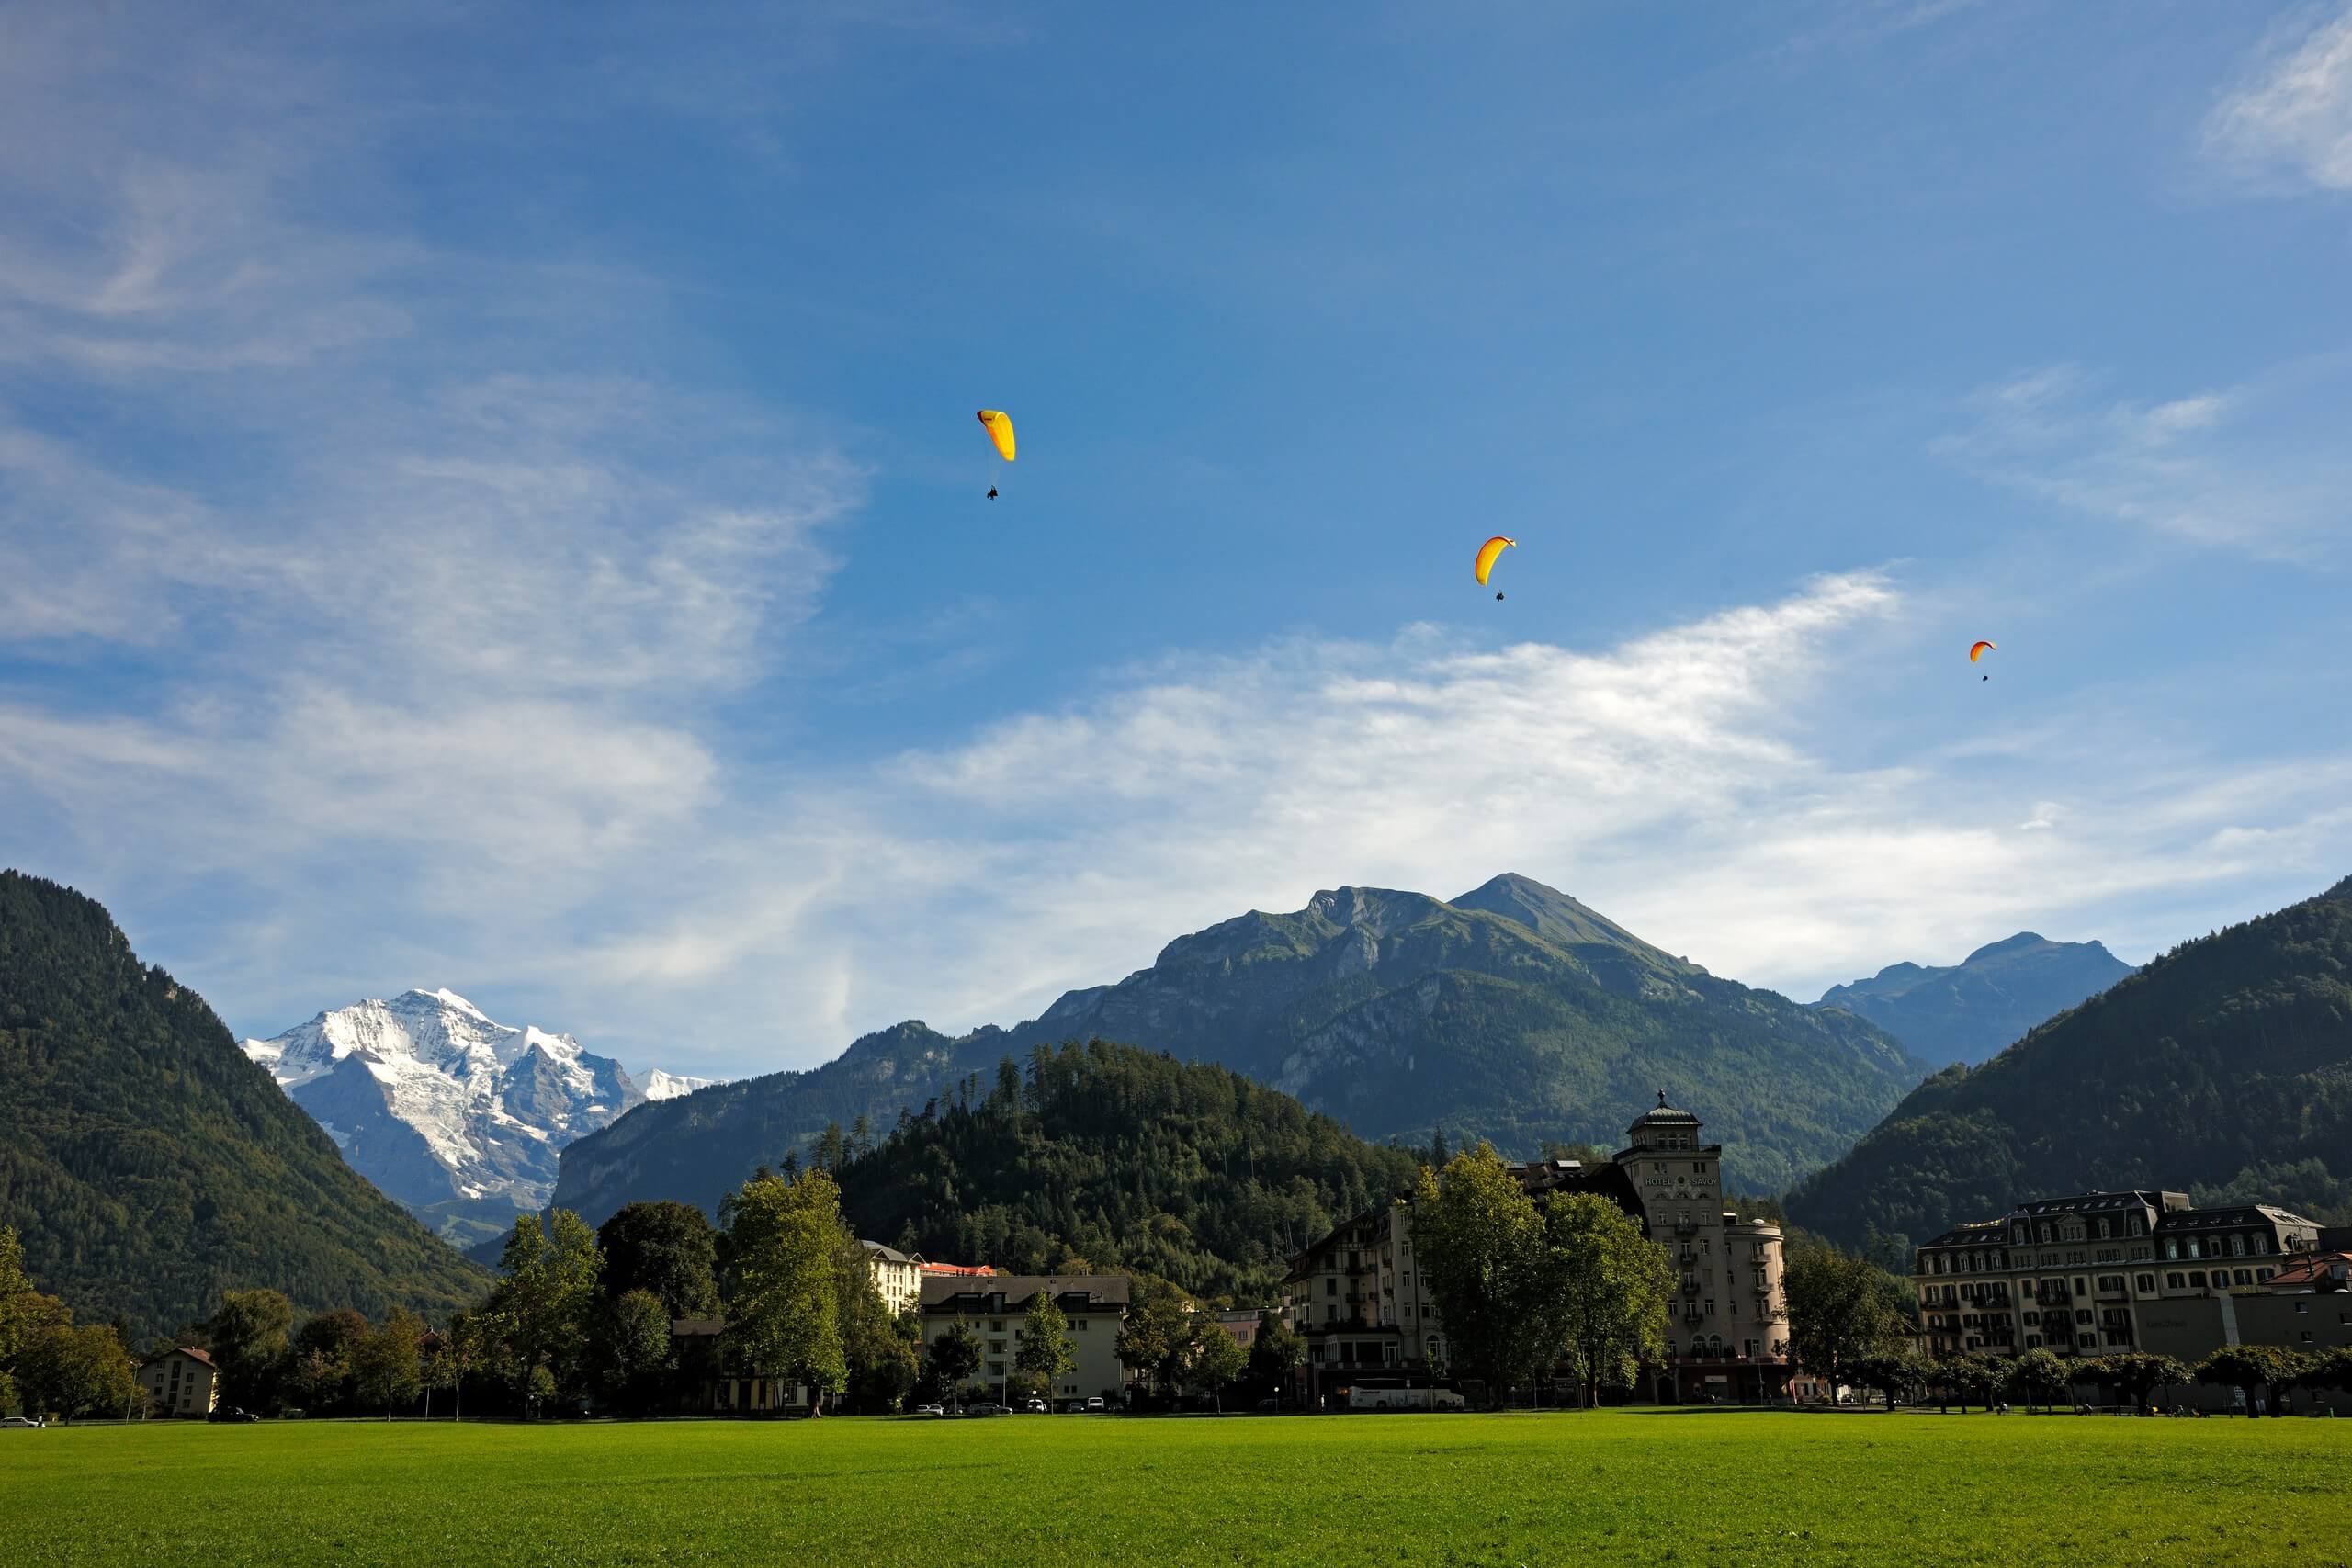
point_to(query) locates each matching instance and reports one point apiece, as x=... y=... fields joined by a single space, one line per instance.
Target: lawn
x=1630 y=1487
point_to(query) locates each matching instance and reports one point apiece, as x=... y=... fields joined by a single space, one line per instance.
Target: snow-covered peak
x=430 y=1098
x=660 y=1085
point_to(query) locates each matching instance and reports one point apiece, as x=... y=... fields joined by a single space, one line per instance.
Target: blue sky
x=489 y=497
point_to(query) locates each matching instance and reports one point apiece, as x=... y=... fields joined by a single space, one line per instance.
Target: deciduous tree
x=2255 y=1369
x=667 y=1248
x=1045 y=1353
x=1602 y=1299
x=387 y=1366
x=547 y=1302
x=1216 y=1360
x=1839 y=1311
x=72 y=1372
x=783 y=1265
x=634 y=1349
x=1484 y=1256
x=249 y=1337
x=950 y=1360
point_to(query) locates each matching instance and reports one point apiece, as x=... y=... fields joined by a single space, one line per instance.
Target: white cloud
x=2240 y=468
x=2288 y=124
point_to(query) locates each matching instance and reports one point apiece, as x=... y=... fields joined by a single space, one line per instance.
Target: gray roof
x=887 y=1254
x=949 y=1292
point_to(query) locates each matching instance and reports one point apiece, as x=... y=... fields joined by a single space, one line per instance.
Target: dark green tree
x=2255 y=1370
x=667 y=1248
x=1840 y=1310
x=2039 y=1374
x=1276 y=1355
x=950 y=1360
x=249 y=1333
x=635 y=1349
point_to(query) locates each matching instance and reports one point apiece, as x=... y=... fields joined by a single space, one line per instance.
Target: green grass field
x=1708 y=1487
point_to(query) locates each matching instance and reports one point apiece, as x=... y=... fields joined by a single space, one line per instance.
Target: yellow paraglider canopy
x=1486 y=554
x=999 y=427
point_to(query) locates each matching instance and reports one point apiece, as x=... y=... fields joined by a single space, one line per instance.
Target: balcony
x=1686 y=1228
x=1690 y=1287
x=1690 y=1313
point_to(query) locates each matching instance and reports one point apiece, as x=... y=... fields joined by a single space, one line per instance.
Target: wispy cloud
x=2287 y=125
x=2235 y=467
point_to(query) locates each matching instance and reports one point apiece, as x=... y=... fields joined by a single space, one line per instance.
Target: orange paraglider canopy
x=1981 y=649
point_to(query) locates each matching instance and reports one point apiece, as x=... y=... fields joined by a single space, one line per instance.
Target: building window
x=2197 y=1277
x=1078 y=1325
x=2306 y=1335
x=2173 y=1281
x=2146 y=1281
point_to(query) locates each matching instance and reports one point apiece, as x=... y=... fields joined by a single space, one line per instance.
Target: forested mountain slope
x=1512 y=1013
x=1128 y=1159
x=149 y=1166
x=2224 y=1069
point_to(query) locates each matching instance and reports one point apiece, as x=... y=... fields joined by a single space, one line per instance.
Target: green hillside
x=2224 y=1069
x=149 y=1166
x=1512 y=1013
x=1131 y=1160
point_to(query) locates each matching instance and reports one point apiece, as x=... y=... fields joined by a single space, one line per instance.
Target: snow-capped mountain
x=454 y=1114
x=660 y=1085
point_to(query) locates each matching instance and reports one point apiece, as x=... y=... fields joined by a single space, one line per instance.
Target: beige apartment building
x=898 y=1275
x=994 y=1305
x=2091 y=1274
x=181 y=1382
x=1364 y=1308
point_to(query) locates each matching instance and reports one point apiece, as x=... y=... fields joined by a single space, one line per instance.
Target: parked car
x=1094 y=1406
x=1270 y=1407
x=1037 y=1406
x=986 y=1407
x=23 y=1421
x=231 y=1415
x=930 y=1410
